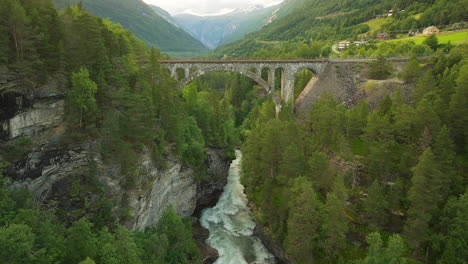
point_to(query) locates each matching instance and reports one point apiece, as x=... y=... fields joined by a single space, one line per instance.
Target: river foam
x=231 y=224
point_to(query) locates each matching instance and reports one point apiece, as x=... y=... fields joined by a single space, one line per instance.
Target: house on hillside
x=431 y=31
x=342 y=45
x=390 y=13
x=383 y=36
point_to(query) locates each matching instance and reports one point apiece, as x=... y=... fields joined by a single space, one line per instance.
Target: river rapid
x=231 y=224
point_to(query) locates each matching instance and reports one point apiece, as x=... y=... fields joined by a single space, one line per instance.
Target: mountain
x=217 y=30
x=144 y=22
x=164 y=14
x=301 y=22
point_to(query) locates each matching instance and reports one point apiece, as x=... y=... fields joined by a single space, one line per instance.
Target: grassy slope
x=376 y=24
x=143 y=22
x=455 y=38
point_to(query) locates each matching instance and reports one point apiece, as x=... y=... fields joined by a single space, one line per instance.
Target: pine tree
x=335 y=224
x=459 y=111
x=320 y=172
x=17 y=23
x=444 y=153
x=424 y=196
x=292 y=163
x=454 y=221
x=425 y=85
x=376 y=205
x=412 y=71
x=380 y=69
x=303 y=221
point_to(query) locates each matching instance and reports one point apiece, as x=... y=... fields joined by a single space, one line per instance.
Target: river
x=231 y=224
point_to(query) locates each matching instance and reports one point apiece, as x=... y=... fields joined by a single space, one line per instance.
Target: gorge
x=276 y=148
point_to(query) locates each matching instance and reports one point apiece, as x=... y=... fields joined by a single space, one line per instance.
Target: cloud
x=204 y=7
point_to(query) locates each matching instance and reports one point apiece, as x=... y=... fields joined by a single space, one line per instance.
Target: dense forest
x=119 y=96
x=391 y=177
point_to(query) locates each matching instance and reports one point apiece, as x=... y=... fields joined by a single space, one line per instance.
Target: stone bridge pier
x=253 y=69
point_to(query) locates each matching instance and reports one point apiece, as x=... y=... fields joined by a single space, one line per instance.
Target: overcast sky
x=207 y=7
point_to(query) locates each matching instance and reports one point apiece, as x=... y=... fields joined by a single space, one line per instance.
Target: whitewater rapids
x=231 y=224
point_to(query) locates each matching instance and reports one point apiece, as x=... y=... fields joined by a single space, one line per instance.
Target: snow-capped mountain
x=213 y=31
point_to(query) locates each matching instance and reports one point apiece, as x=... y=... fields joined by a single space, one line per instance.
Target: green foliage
x=378 y=254
x=17 y=243
x=173 y=239
x=380 y=69
x=459 y=109
x=424 y=196
x=432 y=42
x=15 y=151
x=81 y=99
x=412 y=71
x=303 y=221
x=35 y=236
x=376 y=206
x=454 y=232
x=320 y=172
x=337 y=20
x=411 y=159
x=81 y=242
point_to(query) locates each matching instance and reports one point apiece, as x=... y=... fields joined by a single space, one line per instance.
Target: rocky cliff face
x=49 y=168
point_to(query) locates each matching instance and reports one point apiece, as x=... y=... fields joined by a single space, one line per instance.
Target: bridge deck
x=283 y=61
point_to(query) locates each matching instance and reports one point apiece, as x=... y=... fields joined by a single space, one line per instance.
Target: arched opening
x=180 y=74
x=304 y=81
x=264 y=73
x=279 y=79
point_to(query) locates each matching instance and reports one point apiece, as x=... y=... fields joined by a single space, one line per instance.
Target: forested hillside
x=142 y=20
x=321 y=23
x=383 y=183
x=119 y=98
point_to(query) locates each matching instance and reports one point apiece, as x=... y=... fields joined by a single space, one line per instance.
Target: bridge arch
x=248 y=73
x=253 y=69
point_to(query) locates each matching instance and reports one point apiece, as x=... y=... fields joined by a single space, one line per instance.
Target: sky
x=207 y=7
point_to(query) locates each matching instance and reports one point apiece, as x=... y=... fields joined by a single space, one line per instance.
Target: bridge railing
x=296 y=60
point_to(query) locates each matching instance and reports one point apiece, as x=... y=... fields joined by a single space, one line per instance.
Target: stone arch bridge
x=253 y=69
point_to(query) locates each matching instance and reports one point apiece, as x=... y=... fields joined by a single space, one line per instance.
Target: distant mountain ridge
x=151 y=26
x=214 y=31
x=164 y=14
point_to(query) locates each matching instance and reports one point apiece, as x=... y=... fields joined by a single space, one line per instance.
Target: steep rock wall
x=48 y=166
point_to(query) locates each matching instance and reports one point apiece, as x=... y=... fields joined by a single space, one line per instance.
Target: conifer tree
x=320 y=172
x=336 y=223
x=459 y=111
x=376 y=205
x=412 y=71
x=424 y=196
x=303 y=221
